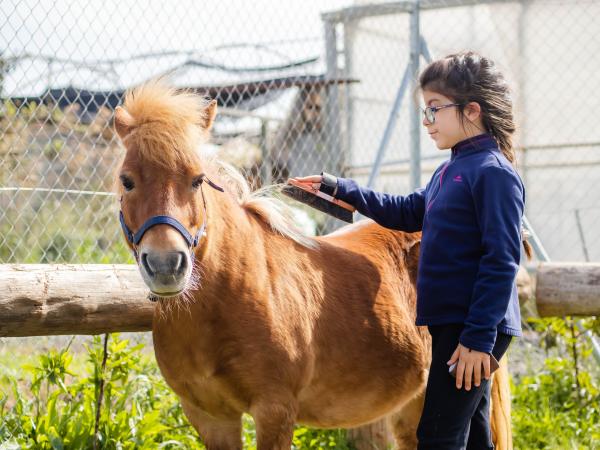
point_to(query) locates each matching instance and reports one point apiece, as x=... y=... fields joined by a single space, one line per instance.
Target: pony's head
x=163 y=209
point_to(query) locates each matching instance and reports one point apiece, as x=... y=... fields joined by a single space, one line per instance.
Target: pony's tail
x=525 y=234
x=528 y=248
x=500 y=408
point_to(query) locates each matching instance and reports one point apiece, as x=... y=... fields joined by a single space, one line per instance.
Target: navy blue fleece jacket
x=470 y=214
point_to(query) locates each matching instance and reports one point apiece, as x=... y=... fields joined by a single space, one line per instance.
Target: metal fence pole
x=348 y=53
x=331 y=88
x=389 y=128
x=332 y=107
x=267 y=163
x=415 y=131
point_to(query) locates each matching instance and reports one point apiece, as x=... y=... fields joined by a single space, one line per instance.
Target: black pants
x=455 y=419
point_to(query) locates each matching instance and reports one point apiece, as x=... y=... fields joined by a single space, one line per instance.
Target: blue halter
x=135 y=238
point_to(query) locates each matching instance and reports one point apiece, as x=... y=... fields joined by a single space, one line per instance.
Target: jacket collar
x=480 y=142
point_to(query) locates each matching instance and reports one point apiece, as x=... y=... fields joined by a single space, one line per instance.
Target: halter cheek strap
x=135 y=238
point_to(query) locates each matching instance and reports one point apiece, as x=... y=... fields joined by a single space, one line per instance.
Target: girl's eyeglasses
x=430 y=111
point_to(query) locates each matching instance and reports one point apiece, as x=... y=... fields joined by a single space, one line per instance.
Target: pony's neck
x=232 y=239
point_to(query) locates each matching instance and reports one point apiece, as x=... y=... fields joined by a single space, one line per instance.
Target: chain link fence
x=302 y=87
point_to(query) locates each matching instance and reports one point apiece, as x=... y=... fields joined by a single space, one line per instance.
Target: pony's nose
x=168 y=264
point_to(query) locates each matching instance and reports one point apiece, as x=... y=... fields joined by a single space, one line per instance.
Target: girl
x=470 y=215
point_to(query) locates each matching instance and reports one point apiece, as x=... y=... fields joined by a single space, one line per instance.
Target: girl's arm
x=397 y=212
x=391 y=211
x=499 y=198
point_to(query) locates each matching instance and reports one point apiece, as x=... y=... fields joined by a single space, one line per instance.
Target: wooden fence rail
x=47 y=299
x=568 y=289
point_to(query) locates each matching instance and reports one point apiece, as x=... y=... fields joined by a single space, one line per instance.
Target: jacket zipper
x=440 y=186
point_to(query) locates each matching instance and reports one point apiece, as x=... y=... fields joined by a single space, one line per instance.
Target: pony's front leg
x=216 y=434
x=275 y=422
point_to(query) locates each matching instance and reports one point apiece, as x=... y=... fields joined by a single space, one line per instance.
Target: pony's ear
x=209 y=115
x=123 y=122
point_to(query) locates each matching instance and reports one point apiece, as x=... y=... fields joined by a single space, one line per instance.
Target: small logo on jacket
x=457 y=178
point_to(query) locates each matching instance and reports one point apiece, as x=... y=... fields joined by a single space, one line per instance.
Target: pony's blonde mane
x=262 y=203
x=167 y=123
x=168 y=130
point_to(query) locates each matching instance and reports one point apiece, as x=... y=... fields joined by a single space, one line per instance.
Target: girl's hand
x=315 y=180
x=469 y=366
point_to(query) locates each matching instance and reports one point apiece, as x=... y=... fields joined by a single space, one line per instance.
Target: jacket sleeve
x=391 y=211
x=499 y=199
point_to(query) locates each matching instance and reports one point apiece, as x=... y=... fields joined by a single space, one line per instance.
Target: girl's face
x=448 y=129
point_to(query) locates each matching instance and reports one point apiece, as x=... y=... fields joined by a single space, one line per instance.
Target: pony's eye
x=127 y=183
x=197 y=182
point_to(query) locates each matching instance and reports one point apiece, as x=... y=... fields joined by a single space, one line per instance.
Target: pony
x=251 y=315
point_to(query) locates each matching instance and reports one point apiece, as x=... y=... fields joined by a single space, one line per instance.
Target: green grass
x=556 y=404
x=48 y=401
x=48 y=398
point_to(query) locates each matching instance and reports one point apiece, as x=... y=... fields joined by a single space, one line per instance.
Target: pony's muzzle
x=165 y=271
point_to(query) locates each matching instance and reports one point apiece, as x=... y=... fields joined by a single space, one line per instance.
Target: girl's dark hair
x=469 y=77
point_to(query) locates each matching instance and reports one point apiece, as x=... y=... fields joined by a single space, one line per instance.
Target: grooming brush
x=304 y=193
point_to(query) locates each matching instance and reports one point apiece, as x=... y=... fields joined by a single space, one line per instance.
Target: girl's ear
x=472 y=111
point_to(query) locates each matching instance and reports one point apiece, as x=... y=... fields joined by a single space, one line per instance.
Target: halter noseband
x=135 y=238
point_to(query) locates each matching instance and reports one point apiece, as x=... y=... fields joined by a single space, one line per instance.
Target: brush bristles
x=317 y=203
